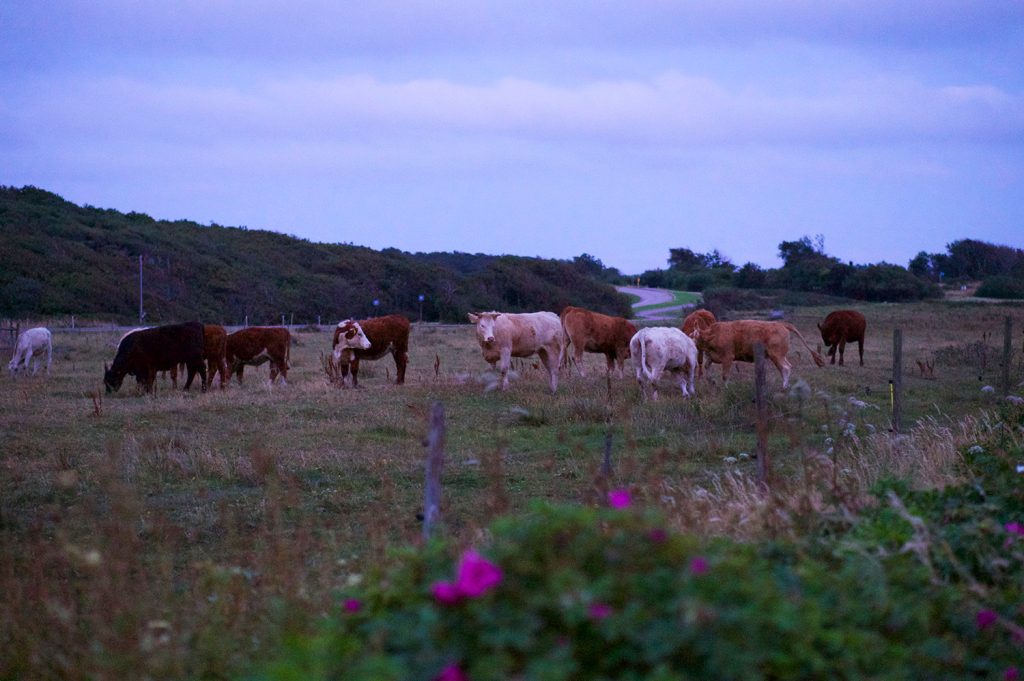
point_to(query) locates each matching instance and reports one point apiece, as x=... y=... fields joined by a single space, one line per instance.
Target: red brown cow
x=215 y=339
x=244 y=345
x=588 y=331
x=388 y=334
x=728 y=342
x=842 y=327
x=698 y=319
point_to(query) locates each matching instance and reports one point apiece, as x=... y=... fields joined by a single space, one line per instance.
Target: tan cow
x=659 y=349
x=698 y=319
x=504 y=335
x=245 y=345
x=728 y=342
x=588 y=331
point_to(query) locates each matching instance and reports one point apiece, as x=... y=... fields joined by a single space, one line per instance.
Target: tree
x=685 y=259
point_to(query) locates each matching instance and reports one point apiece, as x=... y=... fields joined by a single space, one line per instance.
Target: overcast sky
x=619 y=129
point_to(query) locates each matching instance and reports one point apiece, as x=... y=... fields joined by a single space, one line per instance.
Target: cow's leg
x=282 y=369
x=503 y=364
x=860 y=349
x=690 y=373
x=401 y=362
x=149 y=378
x=842 y=349
x=610 y=361
x=550 y=361
x=832 y=353
x=785 y=369
x=726 y=365
x=355 y=372
x=700 y=363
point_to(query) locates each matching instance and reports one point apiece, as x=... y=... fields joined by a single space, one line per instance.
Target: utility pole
x=141 y=313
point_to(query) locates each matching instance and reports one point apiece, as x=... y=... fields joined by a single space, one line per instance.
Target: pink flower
x=446 y=592
x=1011 y=674
x=599 y=611
x=452 y=673
x=353 y=605
x=699 y=565
x=619 y=498
x=986 y=618
x=657 y=535
x=476 y=575
x=1014 y=528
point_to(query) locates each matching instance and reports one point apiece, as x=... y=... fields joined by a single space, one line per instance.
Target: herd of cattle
x=208 y=349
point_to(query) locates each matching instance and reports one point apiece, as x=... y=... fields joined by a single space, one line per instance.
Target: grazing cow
x=698 y=319
x=504 y=335
x=595 y=332
x=244 y=345
x=30 y=346
x=659 y=349
x=728 y=342
x=371 y=339
x=145 y=352
x=842 y=327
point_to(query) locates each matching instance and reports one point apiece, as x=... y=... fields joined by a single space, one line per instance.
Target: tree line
x=58 y=258
x=807 y=268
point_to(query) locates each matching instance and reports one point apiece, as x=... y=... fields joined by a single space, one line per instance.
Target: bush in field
x=1009 y=288
x=928 y=584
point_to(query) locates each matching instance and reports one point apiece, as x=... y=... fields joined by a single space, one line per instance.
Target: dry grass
x=170 y=536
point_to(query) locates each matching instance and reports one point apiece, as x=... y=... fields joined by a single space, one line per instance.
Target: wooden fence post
x=1007 y=353
x=435 y=458
x=764 y=464
x=896 y=384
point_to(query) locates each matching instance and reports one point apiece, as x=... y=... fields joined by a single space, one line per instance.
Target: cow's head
x=112 y=380
x=349 y=335
x=829 y=335
x=484 y=326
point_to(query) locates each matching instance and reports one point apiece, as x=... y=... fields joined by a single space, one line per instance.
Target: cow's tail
x=49 y=351
x=818 y=359
x=643 y=360
x=288 y=352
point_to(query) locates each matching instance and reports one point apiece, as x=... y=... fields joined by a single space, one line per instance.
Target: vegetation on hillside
x=57 y=258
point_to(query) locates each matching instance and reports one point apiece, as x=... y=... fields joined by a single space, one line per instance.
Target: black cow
x=143 y=353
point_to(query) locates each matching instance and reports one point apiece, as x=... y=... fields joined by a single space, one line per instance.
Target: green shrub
x=928 y=584
x=1008 y=288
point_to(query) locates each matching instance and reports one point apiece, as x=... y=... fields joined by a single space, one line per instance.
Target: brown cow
x=244 y=345
x=728 y=342
x=698 y=319
x=215 y=339
x=384 y=334
x=842 y=327
x=595 y=332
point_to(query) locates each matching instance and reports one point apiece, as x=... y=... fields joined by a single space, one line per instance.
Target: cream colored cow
x=658 y=349
x=504 y=335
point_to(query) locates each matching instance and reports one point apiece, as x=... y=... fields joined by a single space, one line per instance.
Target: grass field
x=171 y=536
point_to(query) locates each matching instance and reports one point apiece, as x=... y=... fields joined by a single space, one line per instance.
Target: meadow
x=178 y=535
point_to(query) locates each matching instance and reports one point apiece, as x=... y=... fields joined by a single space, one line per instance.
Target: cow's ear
x=473 y=317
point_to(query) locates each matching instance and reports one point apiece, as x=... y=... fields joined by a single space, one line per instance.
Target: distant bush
x=721 y=301
x=1008 y=288
x=925 y=585
x=888 y=283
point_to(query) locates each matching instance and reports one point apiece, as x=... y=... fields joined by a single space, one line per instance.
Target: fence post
x=435 y=458
x=1007 y=352
x=764 y=464
x=896 y=384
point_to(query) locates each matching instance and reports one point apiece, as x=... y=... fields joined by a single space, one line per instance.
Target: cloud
x=673 y=110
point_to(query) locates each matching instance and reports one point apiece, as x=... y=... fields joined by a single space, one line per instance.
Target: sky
x=617 y=129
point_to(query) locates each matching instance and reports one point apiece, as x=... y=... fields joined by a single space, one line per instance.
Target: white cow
x=659 y=349
x=30 y=346
x=504 y=335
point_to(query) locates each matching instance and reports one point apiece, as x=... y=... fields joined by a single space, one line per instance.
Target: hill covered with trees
x=58 y=258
